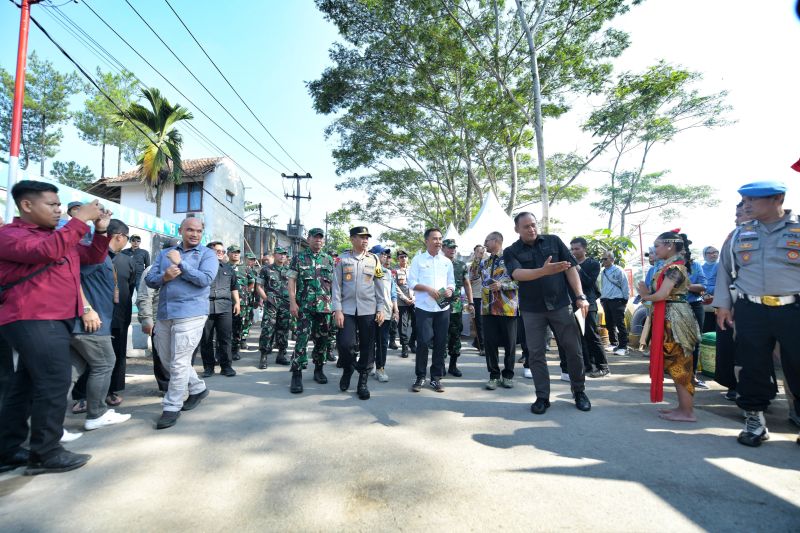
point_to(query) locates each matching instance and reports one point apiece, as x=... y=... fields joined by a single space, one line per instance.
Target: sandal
x=79 y=407
x=113 y=399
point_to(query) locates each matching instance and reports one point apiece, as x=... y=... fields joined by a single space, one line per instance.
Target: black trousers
x=346 y=342
x=593 y=353
x=615 y=321
x=500 y=331
x=407 y=327
x=431 y=331
x=222 y=325
x=38 y=388
x=758 y=328
x=6 y=367
x=476 y=305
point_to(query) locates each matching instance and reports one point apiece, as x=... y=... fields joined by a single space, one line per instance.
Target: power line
x=121 y=111
x=231 y=86
x=204 y=87
x=224 y=130
x=99 y=50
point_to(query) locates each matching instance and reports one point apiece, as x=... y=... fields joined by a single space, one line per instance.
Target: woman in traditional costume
x=674 y=331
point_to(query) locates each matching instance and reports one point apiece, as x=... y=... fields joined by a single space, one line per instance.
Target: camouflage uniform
x=241 y=322
x=314 y=275
x=456 y=308
x=275 y=322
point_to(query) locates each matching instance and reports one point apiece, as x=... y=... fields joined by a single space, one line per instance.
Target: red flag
x=796 y=166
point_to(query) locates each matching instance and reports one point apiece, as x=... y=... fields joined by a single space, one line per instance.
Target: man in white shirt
x=431 y=279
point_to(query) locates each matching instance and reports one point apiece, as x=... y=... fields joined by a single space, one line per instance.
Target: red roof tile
x=192 y=168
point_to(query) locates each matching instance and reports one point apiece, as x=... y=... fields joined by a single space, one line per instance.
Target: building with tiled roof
x=210 y=189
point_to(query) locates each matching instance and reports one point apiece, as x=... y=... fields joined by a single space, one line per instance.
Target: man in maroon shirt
x=40 y=279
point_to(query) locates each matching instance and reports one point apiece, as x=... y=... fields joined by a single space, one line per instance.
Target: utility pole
x=295 y=231
x=260 y=234
x=19 y=97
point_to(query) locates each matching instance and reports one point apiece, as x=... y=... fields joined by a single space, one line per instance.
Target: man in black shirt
x=544 y=268
x=139 y=256
x=589 y=270
x=223 y=304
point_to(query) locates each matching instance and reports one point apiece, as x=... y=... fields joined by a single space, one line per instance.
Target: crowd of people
x=72 y=282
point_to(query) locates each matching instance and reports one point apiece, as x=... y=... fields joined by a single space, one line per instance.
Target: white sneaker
x=108 y=419
x=526 y=373
x=620 y=351
x=382 y=377
x=69 y=436
x=565 y=377
x=610 y=348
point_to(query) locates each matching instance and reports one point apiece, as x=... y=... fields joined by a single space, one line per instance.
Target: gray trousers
x=97 y=352
x=568 y=336
x=175 y=342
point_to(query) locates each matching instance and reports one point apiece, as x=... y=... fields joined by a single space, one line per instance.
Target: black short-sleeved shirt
x=547 y=293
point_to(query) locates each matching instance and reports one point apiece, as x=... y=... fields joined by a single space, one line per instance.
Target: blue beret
x=760 y=189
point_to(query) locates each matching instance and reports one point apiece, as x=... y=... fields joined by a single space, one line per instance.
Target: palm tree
x=160 y=159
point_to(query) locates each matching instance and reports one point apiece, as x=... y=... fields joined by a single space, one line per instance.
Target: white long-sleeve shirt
x=434 y=271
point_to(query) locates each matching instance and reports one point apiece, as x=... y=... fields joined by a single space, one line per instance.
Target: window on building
x=188 y=197
x=229 y=196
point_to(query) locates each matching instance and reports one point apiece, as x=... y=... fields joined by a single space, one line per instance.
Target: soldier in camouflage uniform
x=272 y=285
x=252 y=271
x=461 y=277
x=247 y=283
x=310 y=280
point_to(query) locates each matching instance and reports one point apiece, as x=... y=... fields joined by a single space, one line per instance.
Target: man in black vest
x=223 y=304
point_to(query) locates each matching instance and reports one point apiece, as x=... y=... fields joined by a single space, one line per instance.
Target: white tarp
x=491 y=217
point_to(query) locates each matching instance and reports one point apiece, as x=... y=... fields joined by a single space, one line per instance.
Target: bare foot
x=677 y=416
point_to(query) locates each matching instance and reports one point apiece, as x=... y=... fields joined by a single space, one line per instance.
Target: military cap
x=316 y=231
x=72 y=205
x=449 y=243
x=359 y=230
x=280 y=250
x=379 y=249
x=234 y=248
x=250 y=255
x=402 y=253
x=761 y=189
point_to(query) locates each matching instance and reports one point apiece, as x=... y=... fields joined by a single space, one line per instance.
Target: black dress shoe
x=168 y=419
x=404 y=351
x=297 y=382
x=393 y=345
x=236 y=356
x=540 y=406
x=207 y=373
x=281 y=360
x=582 y=401
x=228 y=371
x=63 y=461
x=454 y=371
x=194 y=400
x=362 y=389
x=14 y=460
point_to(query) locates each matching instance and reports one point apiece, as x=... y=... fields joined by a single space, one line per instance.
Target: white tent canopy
x=491 y=217
x=452 y=233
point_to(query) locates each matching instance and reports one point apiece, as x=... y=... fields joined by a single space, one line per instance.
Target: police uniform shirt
x=767 y=257
x=358 y=284
x=220 y=296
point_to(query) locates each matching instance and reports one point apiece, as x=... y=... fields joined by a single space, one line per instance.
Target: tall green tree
x=45 y=109
x=642 y=111
x=72 y=174
x=98 y=123
x=160 y=159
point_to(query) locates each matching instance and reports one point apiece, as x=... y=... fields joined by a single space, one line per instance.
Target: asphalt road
x=253 y=457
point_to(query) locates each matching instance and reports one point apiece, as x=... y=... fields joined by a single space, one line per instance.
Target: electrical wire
x=231 y=86
x=206 y=88
x=101 y=52
x=121 y=111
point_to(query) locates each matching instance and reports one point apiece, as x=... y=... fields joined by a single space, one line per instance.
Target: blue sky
x=270 y=48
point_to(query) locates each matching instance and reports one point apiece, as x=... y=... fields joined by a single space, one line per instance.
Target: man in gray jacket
x=357 y=302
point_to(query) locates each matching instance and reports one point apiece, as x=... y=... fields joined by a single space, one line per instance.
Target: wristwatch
x=86 y=309
x=580 y=297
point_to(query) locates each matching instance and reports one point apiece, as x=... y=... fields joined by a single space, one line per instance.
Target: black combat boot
x=262 y=363
x=281 y=359
x=453 y=370
x=297 y=381
x=404 y=351
x=347 y=373
x=319 y=375
x=363 y=391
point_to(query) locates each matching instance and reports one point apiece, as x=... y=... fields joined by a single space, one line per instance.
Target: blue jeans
x=381 y=343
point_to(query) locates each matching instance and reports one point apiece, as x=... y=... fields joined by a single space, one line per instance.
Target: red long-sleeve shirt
x=55 y=293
